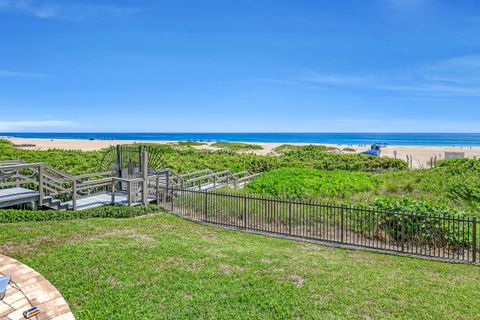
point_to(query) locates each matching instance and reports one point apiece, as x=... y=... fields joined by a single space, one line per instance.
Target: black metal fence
x=445 y=237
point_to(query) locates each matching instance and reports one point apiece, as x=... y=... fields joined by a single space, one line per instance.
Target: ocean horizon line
x=3 y=134
x=400 y=139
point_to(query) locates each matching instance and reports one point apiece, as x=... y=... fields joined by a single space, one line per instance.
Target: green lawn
x=161 y=266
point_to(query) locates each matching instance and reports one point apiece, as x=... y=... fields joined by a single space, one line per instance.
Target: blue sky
x=240 y=66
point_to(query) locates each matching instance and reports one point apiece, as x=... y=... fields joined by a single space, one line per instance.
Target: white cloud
x=68 y=12
x=313 y=78
x=28 y=125
x=434 y=89
x=10 y=74
x=458 y=68
x=458 y=76
x=332 y=79
x=381 y=123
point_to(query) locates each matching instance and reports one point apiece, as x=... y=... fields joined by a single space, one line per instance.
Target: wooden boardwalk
x=105 y=199
x=41 y=185
x=17 y=195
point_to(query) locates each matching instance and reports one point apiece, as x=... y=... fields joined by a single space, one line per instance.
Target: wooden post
x=145 y=177
x=74 y=194
x=167 y=186
x=113 y=191
x=167 y=180
x=157 y=189
x=41 y=193
x=119 y=162
x=129 y=193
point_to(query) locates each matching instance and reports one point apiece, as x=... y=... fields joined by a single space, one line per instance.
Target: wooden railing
x=17 y=174
x=49 y=181
x=204 y=179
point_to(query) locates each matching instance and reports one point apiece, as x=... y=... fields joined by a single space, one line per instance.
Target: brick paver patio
x=29 y=289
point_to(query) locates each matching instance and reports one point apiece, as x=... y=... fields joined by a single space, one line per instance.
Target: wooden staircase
x=55 y=204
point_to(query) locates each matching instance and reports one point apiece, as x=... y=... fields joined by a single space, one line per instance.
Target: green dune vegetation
x=188 y=144
x=308 y=172
x=455 y=184
x=236 y=146
x=290 y=147
x=190 y=159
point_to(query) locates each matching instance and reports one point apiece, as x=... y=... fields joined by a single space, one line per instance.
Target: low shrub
x=315 y=157
x=310 y=183
x=414 y=221
x=284 y=148
x=461 y=165
x=13 y=215
x=236 y=146
x=188 y=144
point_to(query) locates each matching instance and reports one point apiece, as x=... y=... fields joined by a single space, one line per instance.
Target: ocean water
x=405 y=139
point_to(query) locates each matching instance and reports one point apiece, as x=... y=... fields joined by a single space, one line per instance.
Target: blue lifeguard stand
x=375 y=150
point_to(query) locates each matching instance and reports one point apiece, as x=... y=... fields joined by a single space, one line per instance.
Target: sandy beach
x=421 y=155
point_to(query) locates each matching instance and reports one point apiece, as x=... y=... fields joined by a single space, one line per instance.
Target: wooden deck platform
x=15 y=196
x=104 y=200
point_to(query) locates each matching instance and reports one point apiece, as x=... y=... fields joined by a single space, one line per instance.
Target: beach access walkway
x=39 y=185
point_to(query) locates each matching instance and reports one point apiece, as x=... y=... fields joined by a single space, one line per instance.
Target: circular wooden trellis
x=120 y=157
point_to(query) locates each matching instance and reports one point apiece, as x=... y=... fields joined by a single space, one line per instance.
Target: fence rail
x=445 y=237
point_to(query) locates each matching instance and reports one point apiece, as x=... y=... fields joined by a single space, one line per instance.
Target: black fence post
x=403 y=232
x=245 y=211
x=407 y=231
x=474 y=250
x=206 y=206
x=289 y=216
